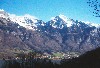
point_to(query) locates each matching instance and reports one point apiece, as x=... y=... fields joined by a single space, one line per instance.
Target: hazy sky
x=45 y=9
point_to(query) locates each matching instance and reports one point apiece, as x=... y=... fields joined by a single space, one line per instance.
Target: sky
x=45 y=9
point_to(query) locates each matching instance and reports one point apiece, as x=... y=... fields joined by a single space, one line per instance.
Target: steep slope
x=15 y=39
x=74 y=35
x=61 y=34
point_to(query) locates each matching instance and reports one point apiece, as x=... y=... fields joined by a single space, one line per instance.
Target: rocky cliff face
x=60 y=34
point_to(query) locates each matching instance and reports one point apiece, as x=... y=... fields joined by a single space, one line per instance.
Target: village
x=53 y=56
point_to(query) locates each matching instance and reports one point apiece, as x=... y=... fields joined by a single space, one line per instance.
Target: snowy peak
x=32 y=22
x=63 y=17
x=92 y=24
x=26 y=21
x=24 y=18
x=1 y=10
x=61 y=20
x=68 y=21
x=3 y=14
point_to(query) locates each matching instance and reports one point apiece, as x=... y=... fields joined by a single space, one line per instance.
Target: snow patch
x=92 y=24
x=1 y=10
x=21 y=20
x=63 y=17
x=68 y=21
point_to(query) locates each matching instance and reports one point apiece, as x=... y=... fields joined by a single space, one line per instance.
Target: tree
x=95 y=4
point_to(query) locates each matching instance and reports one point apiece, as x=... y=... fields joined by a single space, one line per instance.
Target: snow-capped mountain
x=29 y=21
x=26 y=21
x=63 y=20
x=60 y=34
x=32 y=22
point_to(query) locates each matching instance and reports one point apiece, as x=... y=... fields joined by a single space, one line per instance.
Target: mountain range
x=60 y=34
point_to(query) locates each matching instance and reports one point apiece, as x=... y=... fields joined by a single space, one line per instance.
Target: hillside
x=90 y=59
x=60 y=34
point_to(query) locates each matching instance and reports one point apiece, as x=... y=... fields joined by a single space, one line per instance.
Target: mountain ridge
x=30 y=20
x=67 y=21
x=52 y=36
